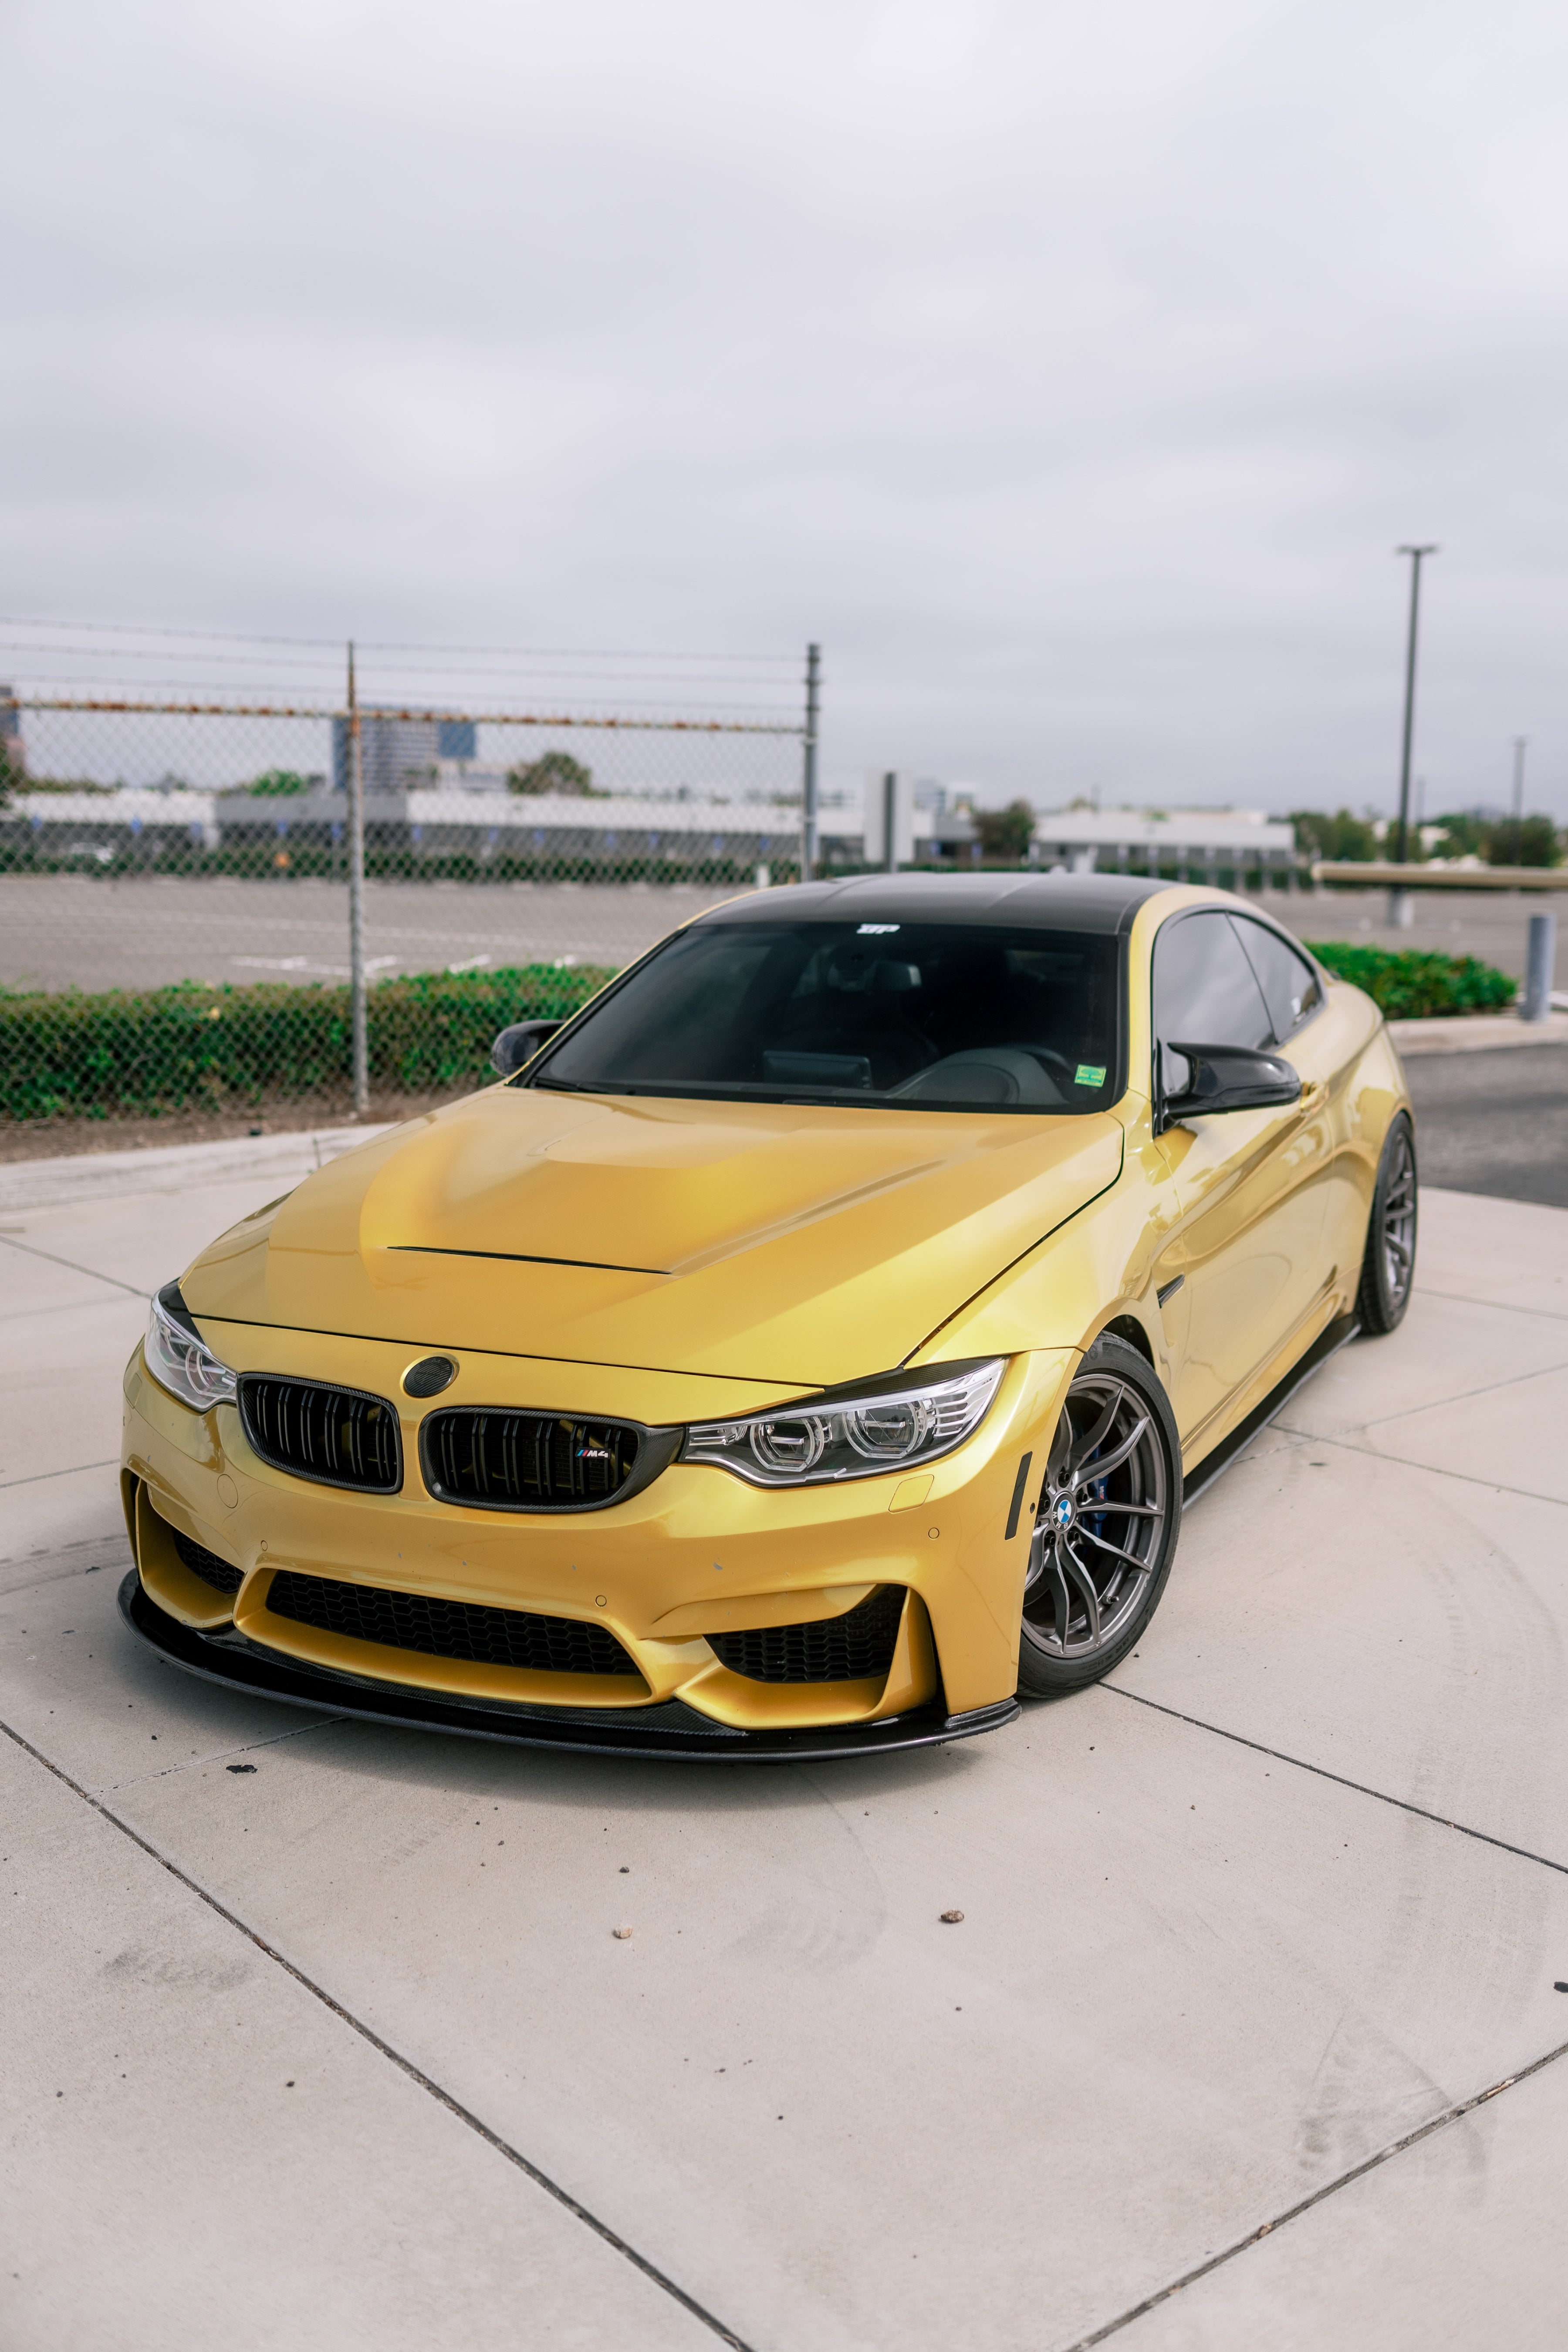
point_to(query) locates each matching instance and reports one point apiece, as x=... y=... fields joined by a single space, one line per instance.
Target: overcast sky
x=1071 y=371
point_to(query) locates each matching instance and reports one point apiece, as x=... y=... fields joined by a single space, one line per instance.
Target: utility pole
x=1518 y=743
x=357 y=1008
x=808 y=839
x=1399 y=902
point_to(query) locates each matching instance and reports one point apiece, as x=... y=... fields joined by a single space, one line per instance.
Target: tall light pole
x=1401 y=840
x=1518 y=743
x=808 y=807
x=1399 y=901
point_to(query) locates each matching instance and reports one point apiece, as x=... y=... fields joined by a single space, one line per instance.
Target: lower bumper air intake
x=668 y=1729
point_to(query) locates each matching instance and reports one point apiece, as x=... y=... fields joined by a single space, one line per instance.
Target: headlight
x=179 y=1359
x=886 y=1424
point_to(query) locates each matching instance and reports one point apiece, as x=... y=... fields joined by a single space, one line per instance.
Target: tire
x=1388 y=1268
x=1102 y=1546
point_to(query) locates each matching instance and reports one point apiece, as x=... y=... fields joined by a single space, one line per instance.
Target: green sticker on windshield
x=1090 y=1074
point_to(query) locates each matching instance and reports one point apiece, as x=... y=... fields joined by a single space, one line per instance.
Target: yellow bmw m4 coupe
x=805 y=1351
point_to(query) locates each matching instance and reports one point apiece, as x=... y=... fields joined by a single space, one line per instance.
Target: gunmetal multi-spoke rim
x=1397 y=1239
x=1099 y=1534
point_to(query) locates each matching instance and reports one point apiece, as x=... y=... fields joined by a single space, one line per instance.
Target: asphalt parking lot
x=317 y=2034
x=70 y=931
x=1495 y=1123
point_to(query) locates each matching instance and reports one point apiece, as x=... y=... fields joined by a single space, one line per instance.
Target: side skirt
x=1202 y=1475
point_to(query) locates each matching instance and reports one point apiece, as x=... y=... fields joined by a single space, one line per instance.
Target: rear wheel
x=1105 y=1532
x=1388 y=1269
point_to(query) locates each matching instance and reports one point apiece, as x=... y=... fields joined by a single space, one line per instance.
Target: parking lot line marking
x=502 y=2148
x=1453 y=2115
x=1401 y=1804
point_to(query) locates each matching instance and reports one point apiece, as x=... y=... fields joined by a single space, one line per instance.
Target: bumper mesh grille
x=845 y=1649
x=218 y=1573
x=340 y=1437
x=448 y=1629
x=519 y=1460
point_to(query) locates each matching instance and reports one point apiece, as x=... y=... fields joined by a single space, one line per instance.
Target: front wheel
x=1388 y=1269
x=1105 y=1530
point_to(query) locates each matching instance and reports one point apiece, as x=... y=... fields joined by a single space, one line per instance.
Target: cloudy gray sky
x=1071 y=370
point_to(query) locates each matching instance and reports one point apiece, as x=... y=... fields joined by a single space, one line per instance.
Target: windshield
x=919 y=1016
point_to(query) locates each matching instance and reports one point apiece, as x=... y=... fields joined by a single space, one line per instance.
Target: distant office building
x=397 y=752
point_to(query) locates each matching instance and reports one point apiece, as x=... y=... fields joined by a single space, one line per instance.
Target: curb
x=1470 y=1033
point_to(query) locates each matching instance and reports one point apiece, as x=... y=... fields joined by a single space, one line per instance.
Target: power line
x=388 y=645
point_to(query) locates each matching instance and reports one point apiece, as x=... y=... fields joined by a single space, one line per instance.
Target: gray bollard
x=1540 y=963
x=1401 y=909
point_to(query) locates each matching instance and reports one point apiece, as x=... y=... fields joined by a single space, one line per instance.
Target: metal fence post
x=1539 y=967
x=808 y=840
x=356 y=904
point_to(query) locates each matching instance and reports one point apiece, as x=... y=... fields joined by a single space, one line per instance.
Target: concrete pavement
x=339 y=2050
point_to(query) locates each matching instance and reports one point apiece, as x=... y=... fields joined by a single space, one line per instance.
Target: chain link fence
x=226 y=906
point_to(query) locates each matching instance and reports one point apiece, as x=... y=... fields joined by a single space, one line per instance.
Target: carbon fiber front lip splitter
x=670 y=1729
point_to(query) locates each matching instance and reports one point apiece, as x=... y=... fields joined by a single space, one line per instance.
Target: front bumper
x=697 y=1553
x=671 y=1729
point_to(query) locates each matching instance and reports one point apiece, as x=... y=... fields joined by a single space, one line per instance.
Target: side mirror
x=1224 y=1078
x=520 y=1044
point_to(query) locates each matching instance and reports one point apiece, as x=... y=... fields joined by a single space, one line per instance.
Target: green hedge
x=125 y=1055
x=1412 y=984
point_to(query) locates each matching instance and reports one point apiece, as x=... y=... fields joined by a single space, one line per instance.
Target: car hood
x=790 y=1245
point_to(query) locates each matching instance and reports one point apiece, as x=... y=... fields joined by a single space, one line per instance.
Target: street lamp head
x=1432 y=550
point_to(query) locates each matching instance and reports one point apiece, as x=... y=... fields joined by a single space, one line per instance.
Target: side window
x=1290 y=987
x=1205 y=992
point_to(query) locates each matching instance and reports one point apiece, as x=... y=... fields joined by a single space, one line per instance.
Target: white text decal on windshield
x=879 y=926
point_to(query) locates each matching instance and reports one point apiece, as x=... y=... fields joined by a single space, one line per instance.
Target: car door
x=1250 y=1185
x=1322 y=1037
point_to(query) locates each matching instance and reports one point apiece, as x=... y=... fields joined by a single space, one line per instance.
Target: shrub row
x=126 y=1055
x=120 y=1055
x=1413 y=985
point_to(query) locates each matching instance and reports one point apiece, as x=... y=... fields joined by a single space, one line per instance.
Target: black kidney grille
x=845 y=1649
x=207 y=1565
x=514 y=1460
x=448 y=1629
x=340 y=1437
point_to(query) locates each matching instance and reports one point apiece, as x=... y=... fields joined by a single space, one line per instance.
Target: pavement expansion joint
x=387 y=2050
x=1462 y=1396
x=221 y=1755
x=37 y=1477
x=112 y=1281
x=1433 y=1469
x=1380 y=1796
x=1450 y=2114
x=1492 y=1305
